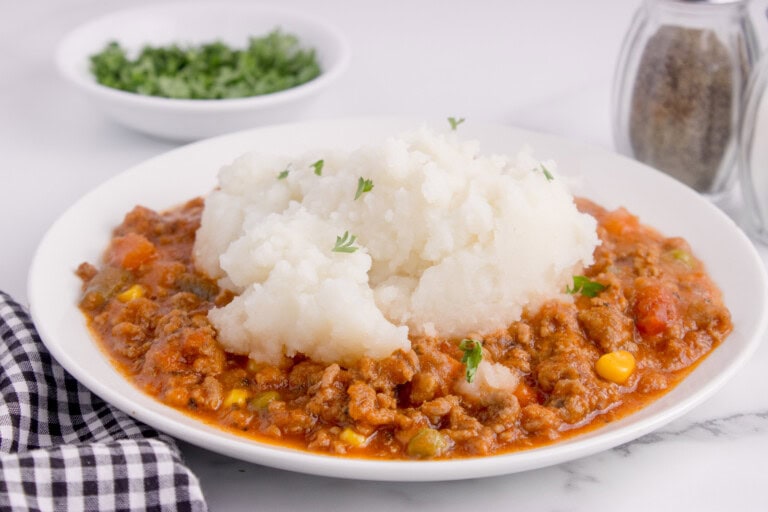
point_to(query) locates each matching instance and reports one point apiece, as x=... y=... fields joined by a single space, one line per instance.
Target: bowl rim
x=66 y=64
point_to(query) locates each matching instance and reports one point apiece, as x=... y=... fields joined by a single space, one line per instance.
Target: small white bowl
x=196 y=23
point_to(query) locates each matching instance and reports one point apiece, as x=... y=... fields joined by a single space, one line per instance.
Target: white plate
x=82 y=233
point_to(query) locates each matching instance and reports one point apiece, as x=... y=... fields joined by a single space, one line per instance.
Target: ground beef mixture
x=147 y=304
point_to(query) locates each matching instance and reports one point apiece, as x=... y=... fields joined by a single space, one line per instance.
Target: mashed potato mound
x=449 y=242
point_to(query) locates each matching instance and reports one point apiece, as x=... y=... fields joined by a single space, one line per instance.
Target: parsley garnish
x=363 y=186
x=283 y=174
x=344 y=243
x=473 y=354
x=214 y=70
x=455 y=122
x=547 y=174
x=585 y=286
x=318 y=167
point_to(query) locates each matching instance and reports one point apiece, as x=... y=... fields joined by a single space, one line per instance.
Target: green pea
x=683 y=257
x=426 y=443
x=262 y=400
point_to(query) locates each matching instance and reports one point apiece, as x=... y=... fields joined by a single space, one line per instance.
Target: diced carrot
x=525 y=394
x=130 y=251
x=655 y=309
x=619 y=221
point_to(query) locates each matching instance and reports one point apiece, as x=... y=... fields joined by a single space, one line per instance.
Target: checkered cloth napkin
x=63 y=448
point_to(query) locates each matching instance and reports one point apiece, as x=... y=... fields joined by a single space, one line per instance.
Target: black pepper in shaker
x=679 y=87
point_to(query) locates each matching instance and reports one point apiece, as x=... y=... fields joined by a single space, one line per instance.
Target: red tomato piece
x=655 y=309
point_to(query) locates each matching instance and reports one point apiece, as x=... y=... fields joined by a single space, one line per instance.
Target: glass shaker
x=679 y=86
x=753 y=152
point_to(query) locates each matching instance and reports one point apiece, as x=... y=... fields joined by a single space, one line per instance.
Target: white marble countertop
x=546 y=66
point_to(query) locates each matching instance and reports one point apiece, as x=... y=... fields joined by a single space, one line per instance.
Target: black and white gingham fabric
x=63 y=448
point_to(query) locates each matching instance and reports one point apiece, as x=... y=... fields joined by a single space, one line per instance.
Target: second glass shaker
x=679 y=85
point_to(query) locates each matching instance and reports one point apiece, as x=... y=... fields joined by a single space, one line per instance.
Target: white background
x=544 y=65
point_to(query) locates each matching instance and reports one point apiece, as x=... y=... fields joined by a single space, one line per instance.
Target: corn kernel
x=616 y=366
x=236 y=398
x=254 y=366
x=352 y=438
x=262 y=400
x=134 y=292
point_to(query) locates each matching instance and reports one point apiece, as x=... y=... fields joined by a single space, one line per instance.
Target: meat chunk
x=608 y=327
x=367 y=406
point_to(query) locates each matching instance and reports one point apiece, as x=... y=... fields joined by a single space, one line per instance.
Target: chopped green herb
x=363 y=186
x=455 y=122
x=214 y=70
x=344 y=243
x=585 y=286
x=547 y=174
x=318 y=167
x=283 y=174
x=473 y=354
